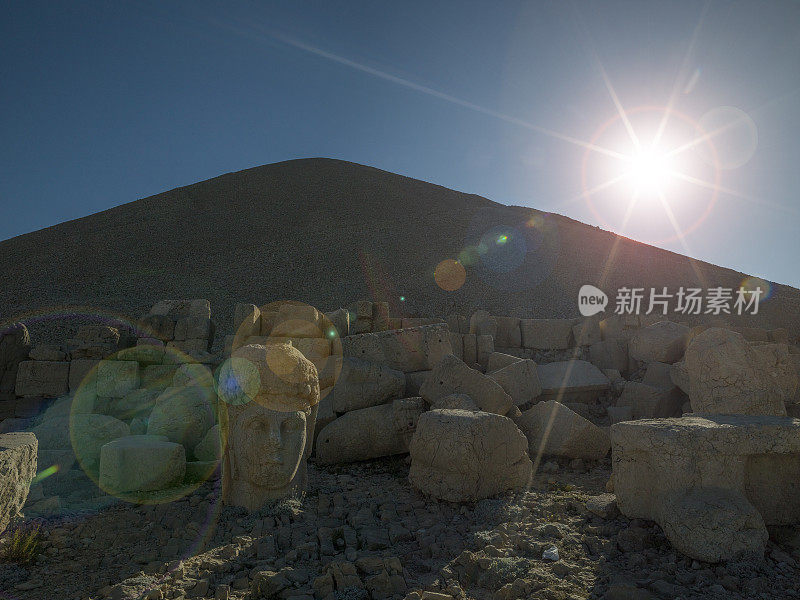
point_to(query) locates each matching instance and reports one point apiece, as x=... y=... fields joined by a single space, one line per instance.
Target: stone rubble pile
x=695 y=418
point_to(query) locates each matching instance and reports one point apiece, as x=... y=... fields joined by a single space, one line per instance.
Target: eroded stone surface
x=552 y=429
x=141 y=463
x=413 y=349
x=572 y=381
x=452 y=376
x=17 y=470
x=664 y=341
x=362 y=384
x=461 y=456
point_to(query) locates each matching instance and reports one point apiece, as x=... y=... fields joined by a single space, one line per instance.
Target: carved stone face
x=268 y=445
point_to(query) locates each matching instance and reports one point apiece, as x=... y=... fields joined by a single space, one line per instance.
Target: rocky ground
x=363 y=532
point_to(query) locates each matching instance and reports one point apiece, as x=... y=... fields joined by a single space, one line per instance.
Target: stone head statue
x=270 y=427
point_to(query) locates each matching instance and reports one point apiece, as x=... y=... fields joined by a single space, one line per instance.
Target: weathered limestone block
x=325 y=413
x=158 y=377
x=452 y=376
x=779 y=336
x=414 y=381
x=552 y=429
x=193 y=374
x=52 y=352
x=610 y=353
x=415 y=349
x=619 y=326
x=781 y=367
x=98 y=334
x=362 y=384
x=182 y=308
x=587 y=332
x=658 y=375
x=182 y=414
x=463 y=456
x=380 y=316
x=485 y=348
x=703 y=473
x=141 y=463
x=160 y=327
x=648 y=402
x=246 y=321
x=270 y=436
x=210 y=447
x=520 y=380
x=509 y=334
x=482 y=323
x=297 y=320
x=664 y=341
x=136 y=403
x=115 y=378
x=17 y=470
x=457 y=345
x=369 y=433
x=457 y=323
x=55 y=446
x=147 y=351
x=340 y=318
x=82 y=374
x=15 y=343
x=547 y=334
x=498 y=360
x=47 y=379
x=89 y=432
x=572 y=381
x=458 y=402
x=194 y=328
x=726 y=375
x=470 y=349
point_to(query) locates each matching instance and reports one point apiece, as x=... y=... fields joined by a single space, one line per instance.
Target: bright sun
x=650 y=171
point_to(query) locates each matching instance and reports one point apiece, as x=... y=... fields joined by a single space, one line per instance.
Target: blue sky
x=105 y=103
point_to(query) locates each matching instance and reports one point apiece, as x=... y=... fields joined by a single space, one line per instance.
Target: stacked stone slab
x=15 y=344
x=713 y=483
x=184 y=326
x=312 y=332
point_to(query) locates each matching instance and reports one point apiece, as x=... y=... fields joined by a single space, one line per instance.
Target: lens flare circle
x=450 y=275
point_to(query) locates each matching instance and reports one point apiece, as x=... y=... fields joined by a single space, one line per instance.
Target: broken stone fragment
x=462 y=456
x=664 y=341
x=17 y=469
x=369 y=433
x=552 y=429
x=520 y=380
x=452 y=376
x=141 y=463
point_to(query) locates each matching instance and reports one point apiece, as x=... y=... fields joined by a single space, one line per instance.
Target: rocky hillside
x=330 y=232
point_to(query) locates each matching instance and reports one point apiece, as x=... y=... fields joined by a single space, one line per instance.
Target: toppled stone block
x=158 y=376
x=572 y=381
x=458 y=402
x=17 y=469
x=183 y=415
x=141 y=463
x=210 y=447
x=98 y=334
x=484 y=349
x=587 y=332
x=193 y=374
x=147 y=351
x=160 y=327
x=462 y=456
x=470 y=341
x=182 y=308
x=619 y=326
x=699 y=476
x=15 y=343
x=498 y=360
x=457 y=345
x=415 y=349
x=610 y=354
x=482 y=323
x=52 y=352
x=783 y=370
x=115 y=378
x=136 y=403
x=552 y=429
x=725 y=375
x=194 y=328
x=369 y=433
x=547 y=334
x=648 y=402
x=658 y=375
x=509 y=333
x=47 y=379
x=452 y=376
x=89 y=432
x=340 y=319
x=664 y=341
x=362 y=384
x=414 y=382
x=520 y=380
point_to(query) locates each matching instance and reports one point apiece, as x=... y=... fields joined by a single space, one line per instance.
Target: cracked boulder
x=462 y=456
x=453 y=376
